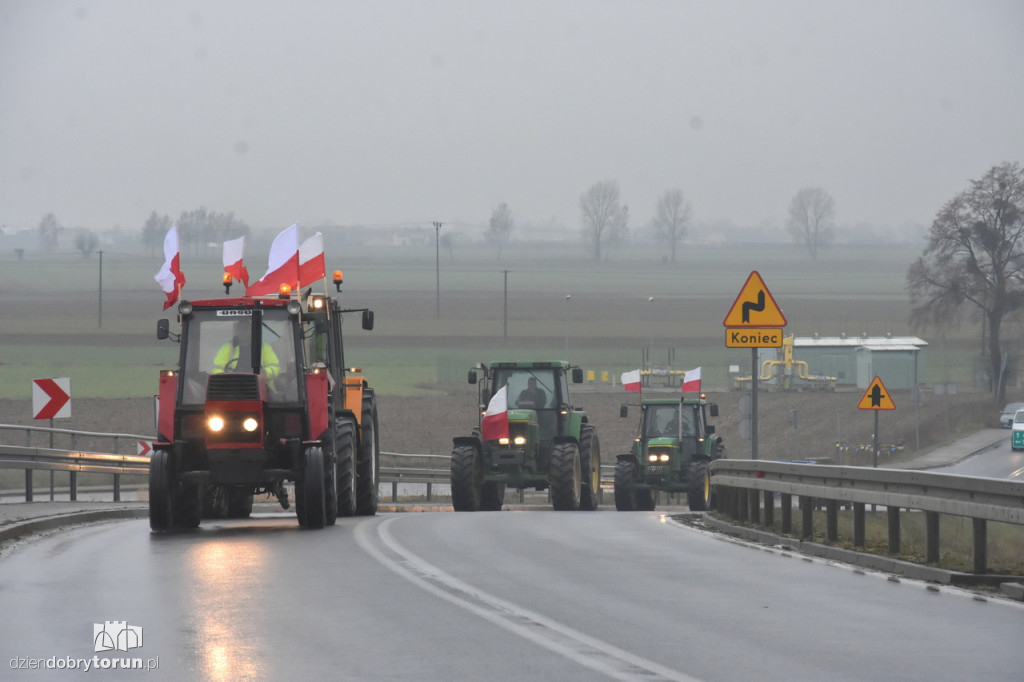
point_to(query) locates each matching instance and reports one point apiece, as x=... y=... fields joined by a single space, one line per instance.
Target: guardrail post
x=429 y=491
x=522 y=495
x=117 y=487
x=28 y=485
x=931 y=537
x=394 y=491
x=893 y=514
x=742 y=500
x=806 y=517
x=980 y=546
x=787 y=512
x=754 y=506
x=74 y=486
x=769 y=508
x=859 y=524
x=832 y=520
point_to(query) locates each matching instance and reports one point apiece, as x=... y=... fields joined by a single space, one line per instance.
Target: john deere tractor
x=549 y=444
x=670 y=454
x=261 y=395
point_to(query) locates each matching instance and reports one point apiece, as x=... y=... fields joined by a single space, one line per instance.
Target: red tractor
x=233 y=423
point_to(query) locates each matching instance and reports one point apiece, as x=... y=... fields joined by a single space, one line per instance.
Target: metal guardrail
x=746 y=490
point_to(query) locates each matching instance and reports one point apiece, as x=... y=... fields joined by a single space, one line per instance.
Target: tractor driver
x=234 y=356
x=533 y=395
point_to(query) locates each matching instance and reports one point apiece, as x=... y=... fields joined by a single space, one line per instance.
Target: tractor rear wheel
x=160 y=502
x=493 y=496
x=345 y=451
x=239 y=504
x=368 y=461
x=330 y=488
x=625 y=493
x=645 y=499
x=312 y=489
x=467 y=478
x=565 y=477
x=698 y=486
x=590 y=466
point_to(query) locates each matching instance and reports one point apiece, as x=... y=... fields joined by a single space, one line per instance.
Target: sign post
x=876 y=398
x=754 y=321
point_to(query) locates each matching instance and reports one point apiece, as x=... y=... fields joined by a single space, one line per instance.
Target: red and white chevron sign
x=51 y=398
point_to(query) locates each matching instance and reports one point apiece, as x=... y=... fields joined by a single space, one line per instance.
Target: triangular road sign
x=755 y=307
x=876 y=397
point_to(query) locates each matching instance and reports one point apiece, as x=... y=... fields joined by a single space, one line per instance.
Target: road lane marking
x=588 y=651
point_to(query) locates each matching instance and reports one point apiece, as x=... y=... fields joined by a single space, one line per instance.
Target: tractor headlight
x=503 y=441
x=215 y=423
x=652 y=457
x=250 y=424
x=519 y=440
x=663 y=457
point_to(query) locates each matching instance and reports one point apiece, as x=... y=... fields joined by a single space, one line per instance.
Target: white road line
x=588 y=651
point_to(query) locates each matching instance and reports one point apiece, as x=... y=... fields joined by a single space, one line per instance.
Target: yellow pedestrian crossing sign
x=876 y=397
x=755 y=306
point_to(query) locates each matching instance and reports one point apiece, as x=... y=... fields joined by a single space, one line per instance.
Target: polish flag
x=170 y=277
x=312 y=266
x=631 y=381
x=233 y=250
x=691 y=381
x=283 y=265
x=495 y=422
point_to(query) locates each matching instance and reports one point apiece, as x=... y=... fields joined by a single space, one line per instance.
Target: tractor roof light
x=285 y=291
x=294 y=307
x=338 y=279
x=227 y=282
x=185 y=308
x=317 y=302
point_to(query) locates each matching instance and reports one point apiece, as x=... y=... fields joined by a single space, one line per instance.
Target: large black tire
x=467 y=478
x=215 y=502
x=625 y=493
x=160 y=498
x=493 y=496
x=368 y=461
x=345 y=451
x=239 y=504
x=645 y=499
x=188 y=504
x=311 y=489
x=590 y=467
x=330 y=488
x=698 y=486
x=565 y=477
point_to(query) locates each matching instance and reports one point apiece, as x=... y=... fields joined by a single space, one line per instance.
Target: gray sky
x=389 y=112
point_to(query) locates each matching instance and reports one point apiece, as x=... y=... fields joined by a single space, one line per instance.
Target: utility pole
x=437 y=264
x=101 y=289
x=505 y=315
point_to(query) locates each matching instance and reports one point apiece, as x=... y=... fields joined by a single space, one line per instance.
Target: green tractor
x=550 y=444
x=670 y=454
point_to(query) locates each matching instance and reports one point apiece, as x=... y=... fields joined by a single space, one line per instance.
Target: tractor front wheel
x=493 y=496
x=698 y=486
x=312 y=489
x=625 y=493
x=565 y=477
x=345 y=451
x=160 y=499
x=467 y=478
x=368 y=462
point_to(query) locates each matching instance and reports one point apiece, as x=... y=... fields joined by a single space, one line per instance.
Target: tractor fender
x=566 y=439
x=471 y=441
x=627 y=457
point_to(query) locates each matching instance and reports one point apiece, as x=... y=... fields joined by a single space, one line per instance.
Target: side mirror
x=368 y=319
x=577 y=375
x=624 y=411
x=713 y=409
x=472 y=377
x=163 y=329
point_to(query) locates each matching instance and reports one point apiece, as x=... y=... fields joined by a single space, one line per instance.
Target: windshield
x=663 y=421
x=532 y=389
x=218 y=341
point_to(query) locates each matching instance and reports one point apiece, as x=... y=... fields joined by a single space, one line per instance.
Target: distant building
x=854 y=361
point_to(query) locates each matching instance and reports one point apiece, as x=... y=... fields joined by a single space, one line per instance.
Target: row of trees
x=199 y=229
x=605 y=219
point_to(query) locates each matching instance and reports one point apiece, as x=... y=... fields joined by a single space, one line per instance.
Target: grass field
x=558 y=304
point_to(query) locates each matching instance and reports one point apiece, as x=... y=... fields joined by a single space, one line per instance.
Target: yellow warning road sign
x=755 y=306
x=876 y=397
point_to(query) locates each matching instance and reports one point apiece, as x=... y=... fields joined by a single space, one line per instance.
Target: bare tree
x=604 y=219
x=975 y=256
x=672 y=215
x=500 y=228
x=154 y=231
x=811 y=215
x=86 y=241
x=49 y=231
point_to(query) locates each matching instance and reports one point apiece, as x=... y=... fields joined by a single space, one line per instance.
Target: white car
x=1006 y=418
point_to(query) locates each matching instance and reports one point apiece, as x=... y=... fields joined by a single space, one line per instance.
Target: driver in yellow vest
x=233 y=356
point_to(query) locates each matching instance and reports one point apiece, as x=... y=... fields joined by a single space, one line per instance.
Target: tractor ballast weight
x=233 y=423
x=670 y=454
x=551 y=445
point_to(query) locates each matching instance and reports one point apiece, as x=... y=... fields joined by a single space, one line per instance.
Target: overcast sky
x=389 y=112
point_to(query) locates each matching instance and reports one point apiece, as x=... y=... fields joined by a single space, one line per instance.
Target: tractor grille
x=233 y=387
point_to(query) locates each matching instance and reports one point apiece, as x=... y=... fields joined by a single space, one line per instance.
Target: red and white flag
x=312 y=265
x=233 y=250
x=282 y=266
x=631 y=381
x=495 y=421
x=170 y=277
x=691 y=381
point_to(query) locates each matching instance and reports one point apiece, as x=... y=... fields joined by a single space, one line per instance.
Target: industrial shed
x=855 y=361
